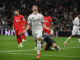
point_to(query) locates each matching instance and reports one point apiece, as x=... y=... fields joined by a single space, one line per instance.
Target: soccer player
x=49 y=42
x=17 y=26
x=36 y=20
x=24 y=27
x=48 y=22
x=76 y=30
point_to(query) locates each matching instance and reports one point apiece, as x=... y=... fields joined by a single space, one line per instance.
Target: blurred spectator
x=61 y=11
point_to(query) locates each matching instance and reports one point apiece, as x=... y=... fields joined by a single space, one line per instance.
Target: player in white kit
x=76 y=29
x=36 y=20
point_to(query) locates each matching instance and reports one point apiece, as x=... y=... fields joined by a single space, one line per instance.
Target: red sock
x=18 y=40
x=21 y=37
x=24 y=37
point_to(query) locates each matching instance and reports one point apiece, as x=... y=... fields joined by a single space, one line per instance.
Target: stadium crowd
x=61 y=11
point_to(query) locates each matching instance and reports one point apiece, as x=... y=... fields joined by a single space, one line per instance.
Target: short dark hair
x=16 y=10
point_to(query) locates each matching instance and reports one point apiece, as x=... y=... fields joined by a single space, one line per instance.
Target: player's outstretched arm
x=28 y=26
x=46 y=27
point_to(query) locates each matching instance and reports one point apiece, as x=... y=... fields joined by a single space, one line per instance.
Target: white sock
x=68 y=39
x=21 y=45
x=79 y=40
x=38 y=47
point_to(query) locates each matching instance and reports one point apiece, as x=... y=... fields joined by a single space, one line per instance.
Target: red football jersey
x=47 y=21
x=17 y=21
x=24 y=23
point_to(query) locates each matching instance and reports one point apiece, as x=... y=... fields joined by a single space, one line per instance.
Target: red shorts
x=18 y=31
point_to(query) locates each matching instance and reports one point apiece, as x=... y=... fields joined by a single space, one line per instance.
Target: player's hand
x=48 y=28
x=65 y=43
x=24 y=31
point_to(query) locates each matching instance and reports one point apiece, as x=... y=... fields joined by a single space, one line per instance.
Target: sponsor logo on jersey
x=17 y=20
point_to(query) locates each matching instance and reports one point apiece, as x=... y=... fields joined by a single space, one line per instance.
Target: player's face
x=34 y=8
x=16 y=12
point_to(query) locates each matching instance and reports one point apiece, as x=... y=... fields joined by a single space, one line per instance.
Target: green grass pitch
x=9 y=50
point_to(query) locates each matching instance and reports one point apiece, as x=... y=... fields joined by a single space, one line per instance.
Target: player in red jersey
x=48 y=22
x=24 y=27
x=18 y=27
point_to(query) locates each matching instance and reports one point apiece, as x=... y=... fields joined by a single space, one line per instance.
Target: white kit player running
x=76 y=30
x=36 y=20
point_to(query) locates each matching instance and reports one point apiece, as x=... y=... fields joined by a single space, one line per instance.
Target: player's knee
x=39 y=39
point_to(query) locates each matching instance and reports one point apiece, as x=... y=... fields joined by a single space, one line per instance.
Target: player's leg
x=20 y=37
x=38 y=47
x=51 y=43
x=35 y=40
x=69 y=38
x=19 y=40
x=48 y=43
x=23 y=37
x=47 y=47
x=35 y=48
x=78 y=33
x=39 y=38
x=79 y=38
x=56 y=47
x=73 y=33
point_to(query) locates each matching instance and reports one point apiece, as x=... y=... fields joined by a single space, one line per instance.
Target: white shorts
x=75 y=32
x=37 y=34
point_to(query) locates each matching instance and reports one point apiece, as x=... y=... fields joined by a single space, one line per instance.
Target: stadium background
x=61 y=11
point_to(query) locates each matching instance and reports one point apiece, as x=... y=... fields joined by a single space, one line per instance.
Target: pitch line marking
x=33 y=50
x=46 y=55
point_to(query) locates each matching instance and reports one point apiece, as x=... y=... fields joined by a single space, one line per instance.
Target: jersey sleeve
x=50 y=20
x=75 y=22
x=29 y=20
x=13 y=21
x=42 y=18
x=23 y=19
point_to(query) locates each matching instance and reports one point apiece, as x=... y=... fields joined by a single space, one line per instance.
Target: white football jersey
x=76 y=23
x=36 y=21
x=76 y=27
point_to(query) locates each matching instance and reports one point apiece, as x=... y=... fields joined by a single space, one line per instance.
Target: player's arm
x=75 y=22
x=45 y=26
x=13 y=23
x=23 y=19
x=42 y=20
x=28 y=24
